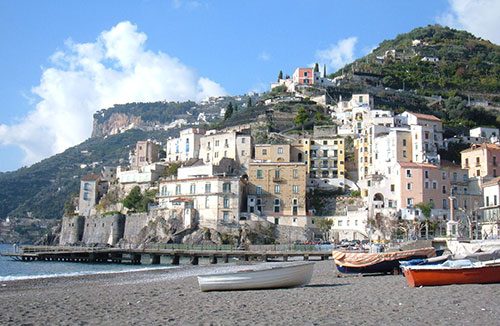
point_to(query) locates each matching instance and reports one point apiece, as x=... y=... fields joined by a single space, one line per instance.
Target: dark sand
x=172 y=297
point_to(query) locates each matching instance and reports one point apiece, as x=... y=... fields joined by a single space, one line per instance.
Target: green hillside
x=45 y=187
x=466 y=63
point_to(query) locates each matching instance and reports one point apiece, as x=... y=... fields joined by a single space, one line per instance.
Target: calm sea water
x=17 y=270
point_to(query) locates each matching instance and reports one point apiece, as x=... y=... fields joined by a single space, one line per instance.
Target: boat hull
x=278 y=277
x=469 y=275
x=376 y=263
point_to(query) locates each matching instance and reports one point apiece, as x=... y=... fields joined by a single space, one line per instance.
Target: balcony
x=278 y=180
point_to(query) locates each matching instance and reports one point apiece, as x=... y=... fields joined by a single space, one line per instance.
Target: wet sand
x=172 y=297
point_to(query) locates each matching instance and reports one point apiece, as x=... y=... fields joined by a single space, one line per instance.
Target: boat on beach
x=292 y=275
x=377 y=263
x=463 y=271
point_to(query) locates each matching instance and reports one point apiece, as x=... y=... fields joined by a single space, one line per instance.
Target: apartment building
x=186 y=147
x=207 y=201
x=481 y=161
x=215 y=146
x=146 y=152
x=327 y=159
x=277 y=189
x=427 y=135
x=92 y=188
x=490 y=221
x=272 y=152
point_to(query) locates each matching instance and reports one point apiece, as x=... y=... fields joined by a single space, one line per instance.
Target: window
x=216 y=143
x=226 y=202
x=487 y=201
x=404 y=142
x=478 y=173
x=426 y=185
x=276 y=205
x=409 y=202
x=295 y=173
x=86 y=186
x=86 y=196
x=295 y=189
x=495 y=200
x=393 y=187
x=408 y=173
x=225 y=216
x=277 y=174
x=259 y=174
x=264 y=151
x=339 y=223
x=409 y=185
x=478 y=160
x=192 y=188
x=466 y=162
x=444 y=189
x=277 y=189
x=243 y=140
x=325 y=153
x=208 y=188
x=226 y=187
x=177 y=189
x=259 y=190
x=280 y=150
x=443 y=174
x=445 y=204
x=455 y=176
x=426 y=174
x=207 y=205
x=404 y=154
x=434 y=185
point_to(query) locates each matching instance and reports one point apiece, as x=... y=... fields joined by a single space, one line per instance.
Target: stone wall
x=103 y=229
x=72 y=228
x=134 y=224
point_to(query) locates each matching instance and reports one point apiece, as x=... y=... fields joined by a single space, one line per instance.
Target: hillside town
x=365 y=174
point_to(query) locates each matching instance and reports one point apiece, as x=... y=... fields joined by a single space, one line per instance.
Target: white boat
x=291 y=275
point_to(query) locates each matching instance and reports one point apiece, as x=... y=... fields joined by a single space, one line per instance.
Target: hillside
x=435 y=60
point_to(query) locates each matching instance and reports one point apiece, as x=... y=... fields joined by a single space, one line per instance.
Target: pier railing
x=229 y=247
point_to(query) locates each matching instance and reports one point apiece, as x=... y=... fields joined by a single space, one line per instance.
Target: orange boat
x=453 y=272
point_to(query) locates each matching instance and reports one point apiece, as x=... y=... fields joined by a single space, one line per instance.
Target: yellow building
x=277 y=189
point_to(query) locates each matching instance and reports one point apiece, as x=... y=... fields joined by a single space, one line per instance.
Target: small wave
x=82 y=273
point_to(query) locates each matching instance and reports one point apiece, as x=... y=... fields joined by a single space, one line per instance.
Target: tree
x=280 y=76
x=426 y=209
x=302 y=117
x=325 y=225
x=133 y=198
x=324 y=70
x=316 y=67
x=249 y=102
x=229 y=111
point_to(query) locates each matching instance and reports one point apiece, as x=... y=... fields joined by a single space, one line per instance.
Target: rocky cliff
x=117 y=123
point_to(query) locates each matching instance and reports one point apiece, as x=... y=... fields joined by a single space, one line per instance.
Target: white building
x=186 y=147
x=216 y=146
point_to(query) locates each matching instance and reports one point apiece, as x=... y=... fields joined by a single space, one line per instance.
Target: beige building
x=277 y=189
x=206 y=201
x=427 y=135
x=272 y=152
x=482 y=161
x=146 y=152
x=215 y=146
x=186 y=147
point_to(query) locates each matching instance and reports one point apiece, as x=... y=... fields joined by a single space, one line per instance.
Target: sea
x=11 y=270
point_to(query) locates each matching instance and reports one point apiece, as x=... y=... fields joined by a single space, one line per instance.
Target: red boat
x=453 y=272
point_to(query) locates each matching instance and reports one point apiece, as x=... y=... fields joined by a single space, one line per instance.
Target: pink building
x=481 y=160
x=305 y=76
x=424 y=183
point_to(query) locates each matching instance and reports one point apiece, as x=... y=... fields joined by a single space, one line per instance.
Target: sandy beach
x=172 y=297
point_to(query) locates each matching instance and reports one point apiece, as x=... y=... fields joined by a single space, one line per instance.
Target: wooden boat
x=292 y=275
x=454 y=272
x=371 y=263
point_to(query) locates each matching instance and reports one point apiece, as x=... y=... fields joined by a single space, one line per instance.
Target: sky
x=63 y=60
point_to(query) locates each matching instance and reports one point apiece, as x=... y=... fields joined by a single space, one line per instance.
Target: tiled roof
x=492 y=182
x=425 y=116
x=90 y=177
x=481 y=146
x=417 y=165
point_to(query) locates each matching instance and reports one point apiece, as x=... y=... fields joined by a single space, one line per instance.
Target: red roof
x=417 y=165
x=425 y=116
x=185 y=200
x=90 y=177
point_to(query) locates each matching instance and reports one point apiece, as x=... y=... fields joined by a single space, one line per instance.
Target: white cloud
x=338 y=55
x=87 y=77
x=191 y=5
x=264 y=56
x=480 y=17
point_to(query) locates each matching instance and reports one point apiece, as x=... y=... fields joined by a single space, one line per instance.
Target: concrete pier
x=154 y=256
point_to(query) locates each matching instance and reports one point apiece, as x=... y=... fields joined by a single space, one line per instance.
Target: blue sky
x=63 y=60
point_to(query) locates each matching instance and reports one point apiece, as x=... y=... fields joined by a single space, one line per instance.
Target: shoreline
x=172 y=296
